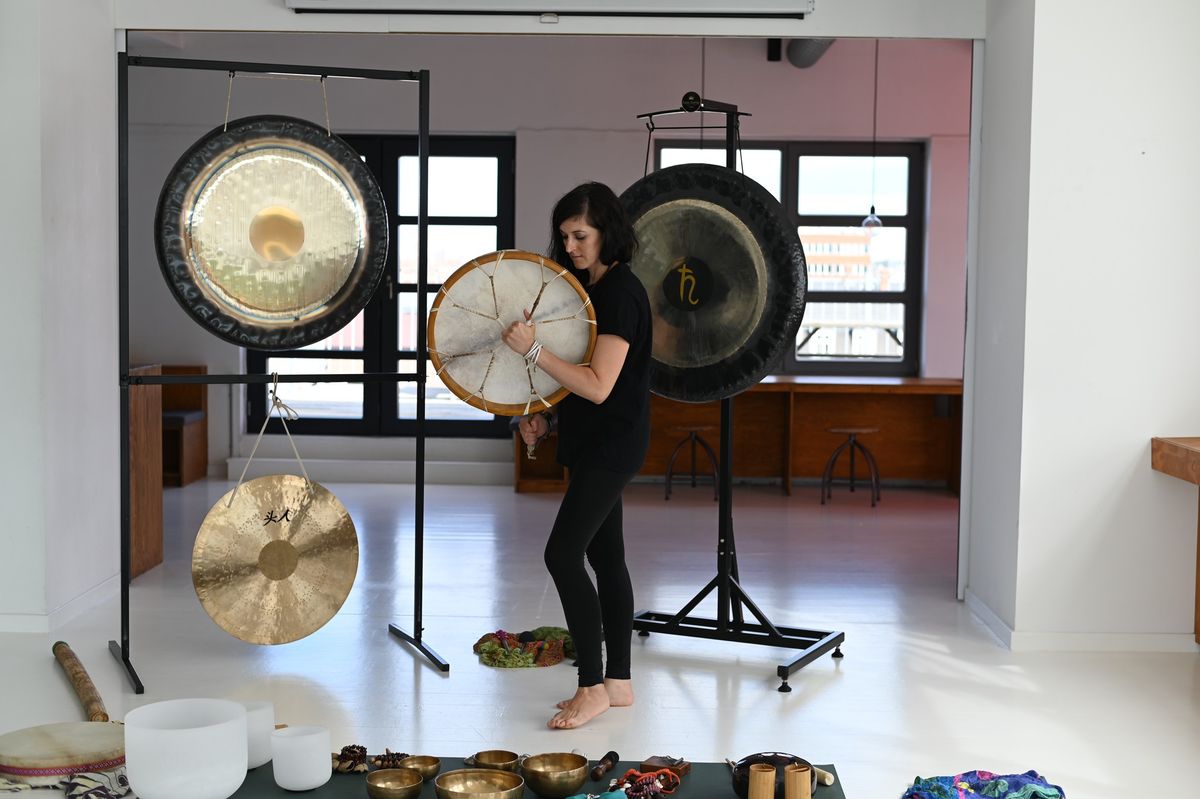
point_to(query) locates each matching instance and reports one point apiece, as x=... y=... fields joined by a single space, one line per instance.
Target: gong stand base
x=434 y=658
x=130 y=672
x=732 y=599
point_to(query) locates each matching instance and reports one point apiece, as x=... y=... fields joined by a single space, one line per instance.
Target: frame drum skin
x=725 y=273
x=271 y=233
x=481 y=299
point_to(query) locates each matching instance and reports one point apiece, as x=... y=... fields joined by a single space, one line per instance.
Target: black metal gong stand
x=121 y=651
x=730 y=624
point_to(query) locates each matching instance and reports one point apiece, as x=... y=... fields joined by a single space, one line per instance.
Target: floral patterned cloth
x=972 y=784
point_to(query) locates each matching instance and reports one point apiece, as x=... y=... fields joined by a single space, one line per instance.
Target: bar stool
x=852 y=443
x=693 y=437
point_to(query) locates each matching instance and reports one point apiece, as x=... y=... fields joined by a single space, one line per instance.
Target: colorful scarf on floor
x=544 y=646
x=972 y=784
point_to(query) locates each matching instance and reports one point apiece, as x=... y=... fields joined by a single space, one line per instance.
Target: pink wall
x=572 y=104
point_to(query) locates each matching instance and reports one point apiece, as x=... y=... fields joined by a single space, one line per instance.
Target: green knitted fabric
x=556 y=634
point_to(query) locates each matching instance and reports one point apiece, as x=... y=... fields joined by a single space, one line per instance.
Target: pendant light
x=872 y=222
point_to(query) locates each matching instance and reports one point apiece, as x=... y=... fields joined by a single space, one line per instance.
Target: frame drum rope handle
x=85 y=689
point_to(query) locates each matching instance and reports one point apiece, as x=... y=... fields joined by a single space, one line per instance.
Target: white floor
x=924 y=687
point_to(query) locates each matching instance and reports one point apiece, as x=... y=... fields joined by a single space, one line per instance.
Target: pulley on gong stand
x=725 y=273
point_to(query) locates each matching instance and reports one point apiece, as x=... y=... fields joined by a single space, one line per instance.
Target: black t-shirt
x=615 y=434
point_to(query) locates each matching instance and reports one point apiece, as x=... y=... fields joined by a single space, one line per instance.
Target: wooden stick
x=823 y=776
x=93 y=705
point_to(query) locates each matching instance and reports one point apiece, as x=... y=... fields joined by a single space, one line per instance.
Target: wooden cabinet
x=145 y=473
x=184 y=428
x=1180 y=457
x=540 y=473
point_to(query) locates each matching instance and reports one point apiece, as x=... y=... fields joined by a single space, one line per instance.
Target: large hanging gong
x=271 y=232
x=725 y=274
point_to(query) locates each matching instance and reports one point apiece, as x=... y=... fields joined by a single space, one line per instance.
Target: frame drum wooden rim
x=472 y=398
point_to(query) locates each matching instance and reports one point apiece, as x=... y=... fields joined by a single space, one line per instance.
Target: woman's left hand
x=519 y=336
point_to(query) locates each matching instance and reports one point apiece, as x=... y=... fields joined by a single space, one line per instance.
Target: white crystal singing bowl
x=260 y=723
x=186 y=749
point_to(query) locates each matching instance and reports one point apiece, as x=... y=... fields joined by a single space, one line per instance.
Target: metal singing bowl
x=427 y=765
x=394 y=783
x=555 y=775
x=479 y=783
x=496 y=758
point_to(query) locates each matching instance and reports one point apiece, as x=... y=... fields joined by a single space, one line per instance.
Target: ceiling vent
x=803 y=53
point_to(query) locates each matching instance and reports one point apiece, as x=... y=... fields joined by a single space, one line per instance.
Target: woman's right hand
x=533 y=428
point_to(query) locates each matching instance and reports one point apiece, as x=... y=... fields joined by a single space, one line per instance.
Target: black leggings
x=589 y=523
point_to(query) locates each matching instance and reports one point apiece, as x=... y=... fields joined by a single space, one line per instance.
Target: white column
x=58 y=212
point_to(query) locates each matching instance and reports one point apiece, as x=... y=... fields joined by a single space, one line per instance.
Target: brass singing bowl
x=394 y=783
x=496 y=758
x=555 y=775
x=479 y=783
x=427 y=765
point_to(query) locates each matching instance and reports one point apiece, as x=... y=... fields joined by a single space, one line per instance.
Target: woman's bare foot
x=587 y=703
x=620 y=694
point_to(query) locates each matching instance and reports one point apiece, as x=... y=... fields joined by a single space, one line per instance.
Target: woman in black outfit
x=603 y=433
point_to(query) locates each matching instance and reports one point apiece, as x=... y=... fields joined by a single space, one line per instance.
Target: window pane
x=440 y=402
x=450 y=246
x=854 y=259
x=845 y=330
x=841 y=184
x=348 y=338
x=458 y=186
x=319 y=400
x=760 y=165
x=406 y=324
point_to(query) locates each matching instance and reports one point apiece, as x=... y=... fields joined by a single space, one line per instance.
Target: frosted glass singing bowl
x=186 y=749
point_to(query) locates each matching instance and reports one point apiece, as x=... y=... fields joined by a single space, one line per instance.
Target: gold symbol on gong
x=687 y=285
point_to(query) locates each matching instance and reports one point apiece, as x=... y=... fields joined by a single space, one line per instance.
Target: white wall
x=572 y=103
x=22 y=422
x=995 y=413
x=1106 y=544
x=60 y=258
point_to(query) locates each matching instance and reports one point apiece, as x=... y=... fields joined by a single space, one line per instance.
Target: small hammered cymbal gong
x=725 y=273
x=275 y=559
x=271 y=232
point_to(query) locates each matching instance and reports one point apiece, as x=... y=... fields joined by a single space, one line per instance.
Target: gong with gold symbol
x=724 y=270
x=275 y=559
x=271 y=232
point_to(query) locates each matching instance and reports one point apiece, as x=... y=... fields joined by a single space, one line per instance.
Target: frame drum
x=484 y=297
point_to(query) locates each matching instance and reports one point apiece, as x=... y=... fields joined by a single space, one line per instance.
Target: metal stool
x=693 y=437
x=852 y=443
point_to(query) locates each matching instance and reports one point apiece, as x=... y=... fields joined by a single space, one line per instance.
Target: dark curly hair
x=596 y=203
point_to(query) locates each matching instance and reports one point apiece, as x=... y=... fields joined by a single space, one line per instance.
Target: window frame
x=912 y=297
x=382 y=154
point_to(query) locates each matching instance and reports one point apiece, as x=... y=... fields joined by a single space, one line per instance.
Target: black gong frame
x=122 y=651
x=731 y=624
